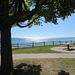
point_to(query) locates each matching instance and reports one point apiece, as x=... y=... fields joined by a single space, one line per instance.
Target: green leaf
x=67 y=17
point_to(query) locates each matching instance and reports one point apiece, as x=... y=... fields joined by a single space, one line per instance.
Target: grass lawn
x=38 y=49
x=45 y=66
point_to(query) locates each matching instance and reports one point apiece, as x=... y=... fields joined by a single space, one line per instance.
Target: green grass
x=37 y=49
x=69 y=61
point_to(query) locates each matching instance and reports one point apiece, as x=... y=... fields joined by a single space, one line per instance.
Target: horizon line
x=46 y=37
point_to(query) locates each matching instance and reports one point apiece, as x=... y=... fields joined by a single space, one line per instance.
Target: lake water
x=27 y=42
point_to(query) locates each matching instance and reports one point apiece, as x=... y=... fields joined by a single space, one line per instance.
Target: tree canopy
x=15 y=12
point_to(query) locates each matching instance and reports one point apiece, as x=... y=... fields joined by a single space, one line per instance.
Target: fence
x=33 y=44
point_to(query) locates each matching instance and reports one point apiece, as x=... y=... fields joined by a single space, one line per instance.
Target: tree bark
x=6 y=51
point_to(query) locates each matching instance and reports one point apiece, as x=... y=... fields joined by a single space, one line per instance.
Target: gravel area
x=64 y=49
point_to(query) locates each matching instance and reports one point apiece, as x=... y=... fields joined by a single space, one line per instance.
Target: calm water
x=26 y=40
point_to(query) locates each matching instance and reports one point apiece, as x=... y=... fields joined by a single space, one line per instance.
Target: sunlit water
x=35 y=39
x=38 y=41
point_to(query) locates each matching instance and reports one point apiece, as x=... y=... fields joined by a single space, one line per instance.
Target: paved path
x=43 y=55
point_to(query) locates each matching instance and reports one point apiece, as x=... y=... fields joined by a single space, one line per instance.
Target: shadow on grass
x=24 y=69
x=63 y=73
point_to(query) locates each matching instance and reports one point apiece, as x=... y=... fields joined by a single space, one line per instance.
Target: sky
x=65 y=28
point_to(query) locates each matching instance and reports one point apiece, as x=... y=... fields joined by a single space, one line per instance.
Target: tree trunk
x=6 y=51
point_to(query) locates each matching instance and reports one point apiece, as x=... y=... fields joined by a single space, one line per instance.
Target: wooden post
x=32 y=44
x=66 y=42
x=44 y=43
x=60 y=42
x=53 y=42
x=67 y=46
x=71 y=41
x=17 y=45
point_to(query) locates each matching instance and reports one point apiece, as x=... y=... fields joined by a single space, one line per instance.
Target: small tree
x=16 y=12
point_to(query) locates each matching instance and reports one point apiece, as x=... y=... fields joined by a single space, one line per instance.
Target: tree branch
x=27 y=24
x=19 y=17
x=37 y=4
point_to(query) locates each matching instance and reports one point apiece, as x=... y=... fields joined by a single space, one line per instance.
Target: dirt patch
x=49 y=66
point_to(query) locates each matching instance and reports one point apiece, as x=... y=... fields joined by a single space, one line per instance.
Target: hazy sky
x=65 y=28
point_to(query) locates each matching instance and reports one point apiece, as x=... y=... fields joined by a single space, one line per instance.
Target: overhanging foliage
x=14 y=12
